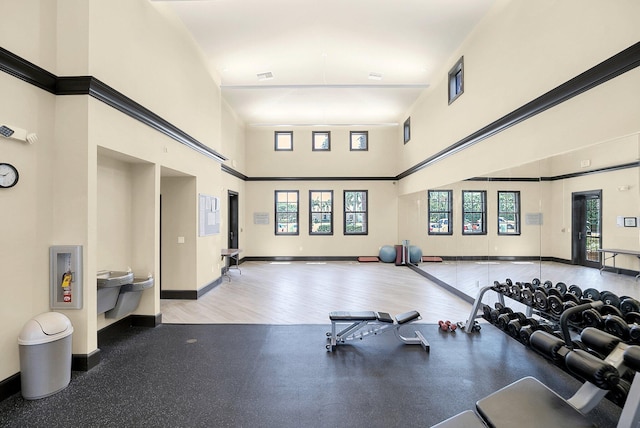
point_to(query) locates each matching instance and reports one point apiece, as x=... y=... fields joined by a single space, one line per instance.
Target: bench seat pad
x=407 y=316
x=529 y=403
x=352 y=316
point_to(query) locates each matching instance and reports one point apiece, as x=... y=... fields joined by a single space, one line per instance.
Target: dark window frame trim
x=275 y=210
x=344 y=213
x=458 y=68
x=518 y=214
x=351 y=134
x=313 y=141
x=450 y=221
x=275 y=140
x=483 y=214
x=311 y=212
x=406 y=130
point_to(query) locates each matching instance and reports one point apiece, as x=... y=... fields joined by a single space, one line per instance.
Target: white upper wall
x=520 y=51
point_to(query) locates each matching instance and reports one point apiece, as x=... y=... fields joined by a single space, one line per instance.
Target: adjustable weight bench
x=363 y=324
x=529 y=403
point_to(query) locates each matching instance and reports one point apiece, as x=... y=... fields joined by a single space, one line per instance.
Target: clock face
x=8 y=175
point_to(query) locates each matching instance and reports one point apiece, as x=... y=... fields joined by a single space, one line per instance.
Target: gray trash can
x=45 y=355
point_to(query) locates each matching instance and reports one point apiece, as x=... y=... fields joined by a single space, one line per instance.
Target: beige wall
x=522 y=50
x=90 y=157
x=263 y=242
x=378 y=161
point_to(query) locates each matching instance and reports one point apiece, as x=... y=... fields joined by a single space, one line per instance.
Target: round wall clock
x=8 y=175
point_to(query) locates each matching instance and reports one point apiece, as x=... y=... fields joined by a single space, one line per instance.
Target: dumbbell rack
x=529 y=311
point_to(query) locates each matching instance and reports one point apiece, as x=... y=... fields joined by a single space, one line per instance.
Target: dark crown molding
x=618 y=64
x=88 y=85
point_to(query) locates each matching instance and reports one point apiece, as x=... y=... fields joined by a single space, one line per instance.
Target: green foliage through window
x=287 y=203
x=320 y=212
x=439 y=212
x=508 y=213
x=474 y=212
x=355 y=212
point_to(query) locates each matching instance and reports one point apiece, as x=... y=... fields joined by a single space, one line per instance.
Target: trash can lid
x=44 y=328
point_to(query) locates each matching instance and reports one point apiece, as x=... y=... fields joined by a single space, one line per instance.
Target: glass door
x=586 y=227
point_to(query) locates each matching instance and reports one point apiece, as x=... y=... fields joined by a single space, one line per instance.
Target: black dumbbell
x=527 y=296
x=618 y=394
x=592 y=318
x=486 y=312
x=629 y=305
x=575 y=290
x=575 y=318
x=591 y=293
x=499 y=311
x=570 y=297
x=555 y=304
x=540 y=299
x=526 y=331
x=515 y=325
x=561 y=286
x=632 y=317
x=608 y=298
x=504 y=319
x=610 y=310
x=617 y=326
x=634 y=333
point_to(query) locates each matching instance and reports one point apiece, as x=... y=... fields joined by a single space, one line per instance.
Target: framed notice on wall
x=208 y=215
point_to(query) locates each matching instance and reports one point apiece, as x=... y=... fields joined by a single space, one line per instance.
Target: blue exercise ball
x=387 y=254
x=415 y=254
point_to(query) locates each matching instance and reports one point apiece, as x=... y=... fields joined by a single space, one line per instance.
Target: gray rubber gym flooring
x=282 y=376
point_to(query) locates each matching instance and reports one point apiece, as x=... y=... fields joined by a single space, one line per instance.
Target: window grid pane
x=284 y=140
x=474 y=212
x=286 y=212
x=321 y=212
x=440 y=212
x=355 y=212
x=321 y=141
x=359 y=140
x=508 y=213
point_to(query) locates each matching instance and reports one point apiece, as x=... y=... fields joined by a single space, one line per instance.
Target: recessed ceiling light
x=375 y=76
x=267 y=75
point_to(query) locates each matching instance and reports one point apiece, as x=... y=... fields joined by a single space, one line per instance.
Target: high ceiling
x=323 y=54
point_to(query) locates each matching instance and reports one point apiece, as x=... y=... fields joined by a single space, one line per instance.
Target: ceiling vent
x=265 y=76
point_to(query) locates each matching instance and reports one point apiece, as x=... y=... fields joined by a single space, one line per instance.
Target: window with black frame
x=456 y=80
x=356 y=212
x=283 y=140
x=474 y=212
x=321 y=141
x=321 y=212
x=359 y=140
x=287 y=211
x=440 y=209
x=508 y=213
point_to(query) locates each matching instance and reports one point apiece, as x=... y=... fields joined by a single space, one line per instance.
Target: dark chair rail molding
x=612 y=67
x=88 y=85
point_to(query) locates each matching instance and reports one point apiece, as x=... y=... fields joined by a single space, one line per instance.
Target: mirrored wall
x=567 y=208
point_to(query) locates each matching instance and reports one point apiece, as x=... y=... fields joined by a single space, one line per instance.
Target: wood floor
x=305 y=292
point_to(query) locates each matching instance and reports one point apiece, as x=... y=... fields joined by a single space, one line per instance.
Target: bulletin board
x=209 y=215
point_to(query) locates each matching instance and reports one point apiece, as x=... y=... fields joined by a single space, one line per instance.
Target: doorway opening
x=586 y=226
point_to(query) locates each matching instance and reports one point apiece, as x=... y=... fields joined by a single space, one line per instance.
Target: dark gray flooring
x=282 y=376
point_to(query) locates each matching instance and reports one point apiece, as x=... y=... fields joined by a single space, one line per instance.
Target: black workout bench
x=366 y=323
x=529 y=403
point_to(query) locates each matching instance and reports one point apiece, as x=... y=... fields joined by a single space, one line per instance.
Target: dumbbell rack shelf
x=529 y=311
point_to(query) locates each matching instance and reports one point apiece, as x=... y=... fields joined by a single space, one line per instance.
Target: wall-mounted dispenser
x=65 y=281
